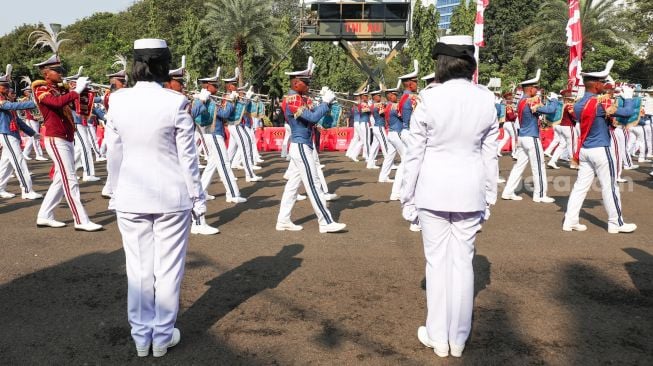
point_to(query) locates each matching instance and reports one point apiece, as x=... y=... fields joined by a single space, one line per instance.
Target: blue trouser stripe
x=227 y=177
x=85 y=157
x=242 y=144
x=539 y=164
x=385 y=144
x=612 y=184
x=18 y=170
x=309 y=177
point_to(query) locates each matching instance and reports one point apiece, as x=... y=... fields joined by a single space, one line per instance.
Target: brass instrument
x=28 y=81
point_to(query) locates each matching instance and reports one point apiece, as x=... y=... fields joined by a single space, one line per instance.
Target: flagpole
x=479 y=40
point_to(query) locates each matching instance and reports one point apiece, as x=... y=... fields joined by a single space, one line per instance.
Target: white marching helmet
x=599 y=74
x=305 y=74
x=235 y=78
x=7 y=76
x=534 y=80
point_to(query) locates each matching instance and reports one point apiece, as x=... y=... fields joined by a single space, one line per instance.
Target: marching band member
x=594 y=154
x=31 y=119
x=54 y=103
x=395 y=127
x=408 y=100
x=361 y=126
x=117 y=81
x=302 y=117
x=156 y=183
x=381 y=139
x=529 y=148
x=213 y=115
x=565 y=129
x=509 y=126
x=355 y=143
x=238 y=144
x=10 y=127
x=82 y=109
x=453 y=138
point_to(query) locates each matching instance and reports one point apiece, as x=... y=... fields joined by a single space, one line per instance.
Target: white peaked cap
x=213 y=78
x=307 y=73
x=149 y=43
x=457 y=40
x=413 y=74
x=7 y=76
x=429 y=76
x=242 y=88
x=179 y=73
x=600 y=74
x=364 y=91
x=76 y=76
x=534 y=80
x=53 y=60
x=233 y=79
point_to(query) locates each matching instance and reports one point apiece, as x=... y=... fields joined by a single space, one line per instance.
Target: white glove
x=199 y=208
x=328 y=97
x=249 y=94
x=204 y=95
x=324 y=90
x=627 y=92
x=409 y=212
x=553 y=96
x=82 y=83
x=233 y=95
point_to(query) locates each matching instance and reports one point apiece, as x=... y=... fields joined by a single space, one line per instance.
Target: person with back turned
x=156 y=191
x=453 y=138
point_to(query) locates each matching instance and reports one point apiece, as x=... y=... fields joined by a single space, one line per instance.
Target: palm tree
x=547 y=32
x=242 y=26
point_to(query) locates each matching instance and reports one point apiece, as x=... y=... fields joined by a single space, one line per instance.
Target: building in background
x=446 y=8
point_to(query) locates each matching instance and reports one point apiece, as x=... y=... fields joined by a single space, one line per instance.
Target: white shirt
x=451 y=163
x=151 y=153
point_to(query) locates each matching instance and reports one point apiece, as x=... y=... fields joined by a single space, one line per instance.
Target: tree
x=463 y=18
x=545 y=39
x=242 y=26
x=503 y=19
x=424 y=34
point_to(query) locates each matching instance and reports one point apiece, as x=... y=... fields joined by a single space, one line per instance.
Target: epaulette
x=38 y=83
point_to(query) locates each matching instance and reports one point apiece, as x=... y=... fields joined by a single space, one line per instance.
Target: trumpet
x=100 y=86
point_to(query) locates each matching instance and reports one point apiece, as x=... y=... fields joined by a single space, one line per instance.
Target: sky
x=65 y=12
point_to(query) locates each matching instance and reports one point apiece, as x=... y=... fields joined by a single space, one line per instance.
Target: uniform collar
x=148 y=84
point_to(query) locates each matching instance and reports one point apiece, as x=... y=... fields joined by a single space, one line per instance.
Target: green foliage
x=424 y=35
x=463 y=18
x=503 y=19
x=242 y=26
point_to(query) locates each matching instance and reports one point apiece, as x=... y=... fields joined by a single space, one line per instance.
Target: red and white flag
x=479 y=39
x=575 y=43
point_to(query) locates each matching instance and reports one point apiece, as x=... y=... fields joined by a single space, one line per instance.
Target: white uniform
x=286 y=141
x=83 y=151
x=156 y=183
x=450 y=178
x=33 y=142
x=509 y=133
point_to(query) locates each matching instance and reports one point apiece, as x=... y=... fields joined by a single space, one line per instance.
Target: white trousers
x=83 y=154
x=252 y=140
x=449 y=249
x=639 y=142
x=565 y=143
x=388 y=150
x=529 y=149
x=92 y=140
x=617 y=145
x=155 y=250
x=648 y=137
x=12 y=157
x=218 y=161
x=624 y=135
x=200 y=141
x=556 y=140
x=33 y=142
x=509 y=133
x=64 y=181
x=374 y=146
x=286 y=140
x=302 y=169
x=599 y=162
x=354 y=143
x=400 y=147
x=239 y=150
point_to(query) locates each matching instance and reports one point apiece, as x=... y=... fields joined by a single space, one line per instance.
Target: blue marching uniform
x=10 y=127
